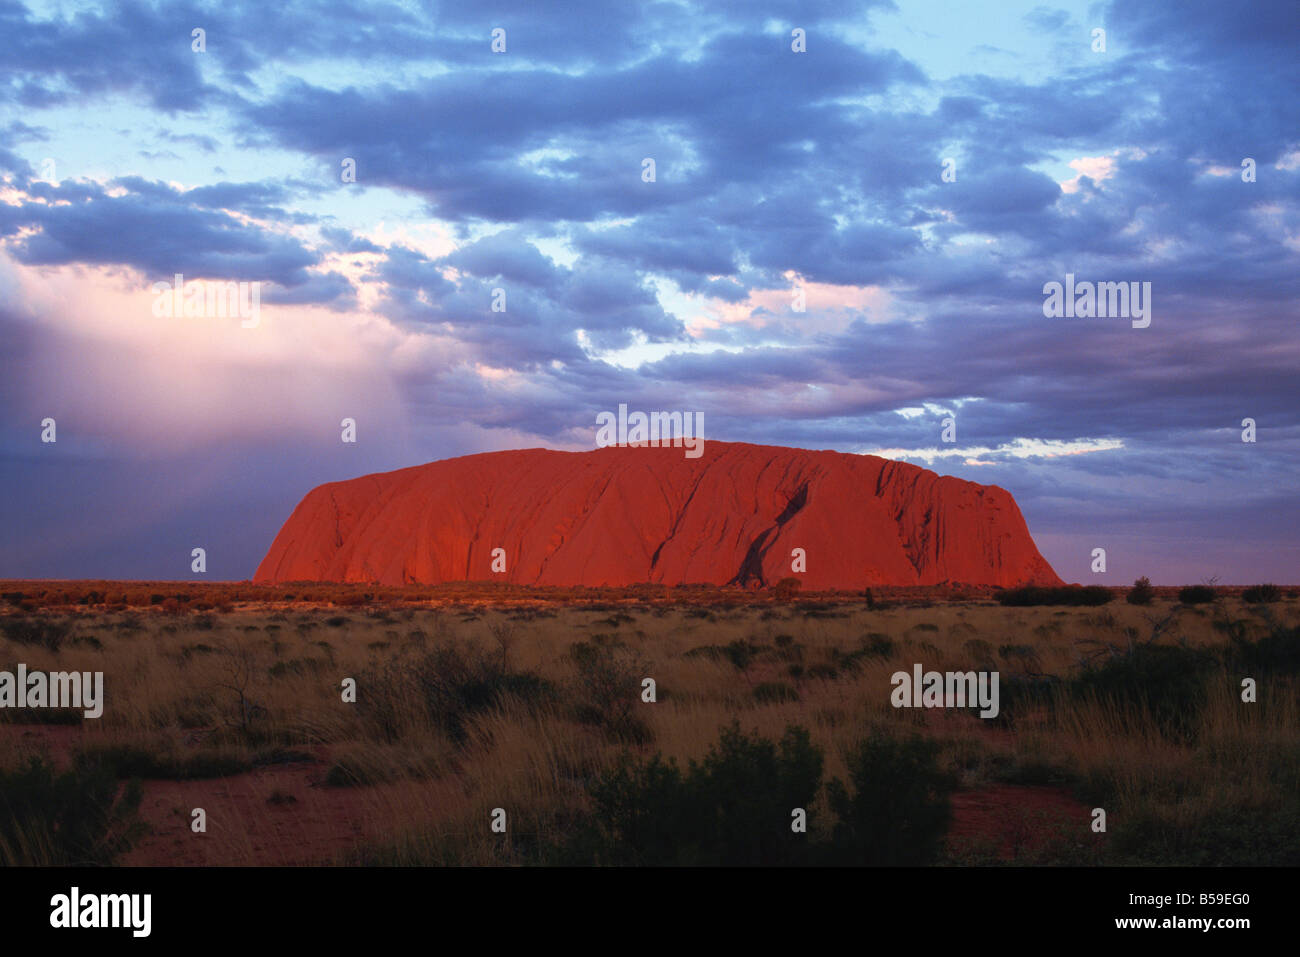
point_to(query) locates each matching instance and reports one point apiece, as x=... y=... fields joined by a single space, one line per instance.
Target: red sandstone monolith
x=620 y=516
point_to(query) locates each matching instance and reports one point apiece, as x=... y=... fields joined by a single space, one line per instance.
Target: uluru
x=623 y=515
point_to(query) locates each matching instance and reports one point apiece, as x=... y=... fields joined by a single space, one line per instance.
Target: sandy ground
x=286 y=815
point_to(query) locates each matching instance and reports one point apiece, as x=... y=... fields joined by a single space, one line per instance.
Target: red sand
x=1012 y=818
x=305 y=824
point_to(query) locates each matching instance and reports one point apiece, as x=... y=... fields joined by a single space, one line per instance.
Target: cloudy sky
x=126 y=157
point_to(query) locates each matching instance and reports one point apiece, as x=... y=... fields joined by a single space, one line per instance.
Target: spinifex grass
x=464 y=708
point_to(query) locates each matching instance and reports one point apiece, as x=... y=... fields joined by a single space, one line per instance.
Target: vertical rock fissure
x=677 y=521
x=751 y=568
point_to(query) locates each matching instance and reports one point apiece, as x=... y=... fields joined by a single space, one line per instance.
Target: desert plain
x=504 y=725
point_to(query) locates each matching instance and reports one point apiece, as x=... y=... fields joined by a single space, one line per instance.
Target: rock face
x=621 y=516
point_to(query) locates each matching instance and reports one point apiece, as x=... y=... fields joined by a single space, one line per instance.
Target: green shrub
x=642 y=815
x=878 y=645
x=1277 y=652
x=1222 y=837
x=1196 y=594
x=1261 y=594
x=874 y=645
x=740 y=653
x=1022 y=694
x=899 y=809
x=1024 y=656
x=733 y=808
x=48 y=633
x=1065 y=595
x=447 y=686
x=1141 y=593
x=454 y=685
x=786 y=588
x=787 y=649
x=77 y=817
x=1167 y=681
x=607 y=689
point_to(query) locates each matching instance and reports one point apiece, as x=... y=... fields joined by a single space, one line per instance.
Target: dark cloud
x=157 y=230
x=825 y=164
x=122 y=50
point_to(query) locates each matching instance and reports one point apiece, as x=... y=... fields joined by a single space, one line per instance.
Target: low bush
x=738 y=805
x=1278 y=652
x=786 y=588
x=1064 y=595
x=899 y=808
x=1196 y=595
x=73 y=818
x=445 y=687
x=1168 y=681
x=606 y=690
x=48 y=633
x=733 y=808
x=1141 y=593
x=1261 y=594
